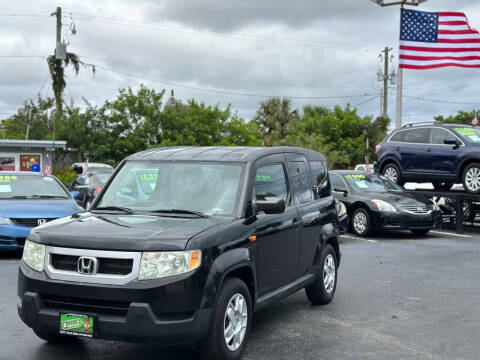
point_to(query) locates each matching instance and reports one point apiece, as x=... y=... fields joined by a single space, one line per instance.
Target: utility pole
x=402 y=3
x=60 y=55
x=385 y=77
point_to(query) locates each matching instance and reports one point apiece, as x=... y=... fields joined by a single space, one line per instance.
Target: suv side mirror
x=271 y=205
x=450 y=141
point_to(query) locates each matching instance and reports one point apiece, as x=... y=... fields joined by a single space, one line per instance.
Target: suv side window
x=417 y=136
x=437 y=136
x=319 y=179
x=270 y=181
x=398 y=137
x=300 y=181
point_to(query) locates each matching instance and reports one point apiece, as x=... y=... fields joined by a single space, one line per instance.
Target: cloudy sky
x=228 y=52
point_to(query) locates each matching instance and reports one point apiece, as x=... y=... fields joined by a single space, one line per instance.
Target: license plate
x=77 y=325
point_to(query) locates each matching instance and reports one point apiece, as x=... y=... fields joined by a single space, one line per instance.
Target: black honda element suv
x=182 y=245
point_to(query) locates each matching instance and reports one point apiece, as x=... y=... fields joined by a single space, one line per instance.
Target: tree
x=462 y=117
x=274 y=118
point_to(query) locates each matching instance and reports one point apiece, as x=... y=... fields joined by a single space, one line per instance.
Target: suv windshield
x=472 y=135
x=371 y=184
x=207 y=188
x=30 y=187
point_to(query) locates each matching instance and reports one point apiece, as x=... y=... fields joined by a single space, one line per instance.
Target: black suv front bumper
x=135 y=313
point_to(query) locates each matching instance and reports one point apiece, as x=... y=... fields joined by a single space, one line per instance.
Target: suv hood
x=123 y=232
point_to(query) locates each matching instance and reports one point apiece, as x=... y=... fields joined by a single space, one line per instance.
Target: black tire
x=474 y=167
x=361 y=212
x=442 y=186
x=54 y=338
x=388 y=169
x=420 y=232
x=215 y=347
x=317 y=293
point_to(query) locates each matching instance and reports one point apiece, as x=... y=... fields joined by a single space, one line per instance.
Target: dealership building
x=15 y=155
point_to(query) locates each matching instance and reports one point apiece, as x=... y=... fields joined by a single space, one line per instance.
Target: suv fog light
x=156 y=265
x=34 y=255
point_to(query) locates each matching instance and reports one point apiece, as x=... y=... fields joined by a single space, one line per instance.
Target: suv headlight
x=156 y=265
x=34 y=255
x=384 y=206
x=5 y=221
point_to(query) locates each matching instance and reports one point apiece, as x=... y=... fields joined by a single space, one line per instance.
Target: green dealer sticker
x=355 y=177
x=77 y=325
x=465 y=131
x=8 y=178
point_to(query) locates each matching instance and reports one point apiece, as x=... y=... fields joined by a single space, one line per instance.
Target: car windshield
x=472 y=135
x=371 y=184
x=206 y=188
x=30 y=187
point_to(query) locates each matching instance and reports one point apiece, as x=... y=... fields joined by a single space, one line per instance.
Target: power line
x=226 y=92
x=367 y=101
x=278 y=40
x=23 y=56
x=23 y=15
x=440 y=101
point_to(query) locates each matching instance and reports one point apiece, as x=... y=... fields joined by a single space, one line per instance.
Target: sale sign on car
x=77 y=325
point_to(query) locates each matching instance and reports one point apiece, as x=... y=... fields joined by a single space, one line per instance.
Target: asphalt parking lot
x=398 y=297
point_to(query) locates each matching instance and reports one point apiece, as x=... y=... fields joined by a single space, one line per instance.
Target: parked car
x=376 y=203
x=225 y=232
x=443 y=154
x=84 y=167
x=89 y=185
x=28 y=200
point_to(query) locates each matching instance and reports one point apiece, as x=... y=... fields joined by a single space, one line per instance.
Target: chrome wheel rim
x=472 y=179
x=329 y=273
x=235 y=322
x=391 y=174
x=360 y=222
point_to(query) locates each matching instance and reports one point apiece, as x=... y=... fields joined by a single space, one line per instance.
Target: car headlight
x=341 y=209
x=156 y=265
x=435 y=205
x=5 y=221
x=384 y=206
x=34 y=255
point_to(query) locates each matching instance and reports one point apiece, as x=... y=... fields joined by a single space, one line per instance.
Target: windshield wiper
x=114 y=208
x=48 y=197
x=180 y=211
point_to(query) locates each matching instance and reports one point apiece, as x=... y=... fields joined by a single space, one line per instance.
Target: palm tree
x=274 y=117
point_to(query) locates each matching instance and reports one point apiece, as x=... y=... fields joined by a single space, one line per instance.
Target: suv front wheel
x=471 y=178
x=231 y=323
x=392 y=173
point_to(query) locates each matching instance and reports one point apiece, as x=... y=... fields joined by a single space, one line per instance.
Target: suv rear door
x=278 y=235
x=411 y=145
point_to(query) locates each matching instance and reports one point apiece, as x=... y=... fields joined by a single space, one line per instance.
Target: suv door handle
x=297 y=221
x=397 y=147
x=429 y=149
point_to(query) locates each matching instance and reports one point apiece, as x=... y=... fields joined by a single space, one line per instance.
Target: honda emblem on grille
x=87 y=265
x=42 y=221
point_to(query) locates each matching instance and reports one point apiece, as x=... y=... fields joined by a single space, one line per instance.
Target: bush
x=65 y=175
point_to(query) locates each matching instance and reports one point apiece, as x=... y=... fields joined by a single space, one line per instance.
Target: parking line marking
x=357 y=238
x=452 y=234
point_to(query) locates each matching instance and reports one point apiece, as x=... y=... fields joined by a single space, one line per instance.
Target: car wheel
x=471 y=178
x=322 y=291
x=53 y=337
x=420 y=232
x=361 y=222
x=231 y=323
x=392 y=172
x=442 y=186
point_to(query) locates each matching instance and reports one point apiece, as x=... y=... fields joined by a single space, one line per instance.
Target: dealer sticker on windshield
x=8 y=178
x=355 y=176
x=77 y=325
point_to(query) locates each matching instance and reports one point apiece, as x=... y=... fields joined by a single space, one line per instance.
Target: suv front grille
x=106 y=266
x=418 y=210
x=31 y=222
x=85 y=305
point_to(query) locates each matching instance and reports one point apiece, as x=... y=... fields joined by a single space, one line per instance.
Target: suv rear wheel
x=231 y=323
x=471 y=178
x=392 y=172
x=321 y=292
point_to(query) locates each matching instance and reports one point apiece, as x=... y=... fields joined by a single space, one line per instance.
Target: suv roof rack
x=420 y=124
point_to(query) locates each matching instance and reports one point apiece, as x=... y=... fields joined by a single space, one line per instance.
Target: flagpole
x=398 y=119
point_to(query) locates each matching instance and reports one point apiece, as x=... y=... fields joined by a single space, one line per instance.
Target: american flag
x=430 y=40
x=48 y=168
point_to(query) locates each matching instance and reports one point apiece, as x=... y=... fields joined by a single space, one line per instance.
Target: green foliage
x=463 y=117
x=65 y=175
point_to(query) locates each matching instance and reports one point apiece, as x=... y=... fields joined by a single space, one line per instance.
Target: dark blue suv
x=443 y=154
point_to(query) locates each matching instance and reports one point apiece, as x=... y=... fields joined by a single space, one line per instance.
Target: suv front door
x=278 y=235
x=443 y=158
